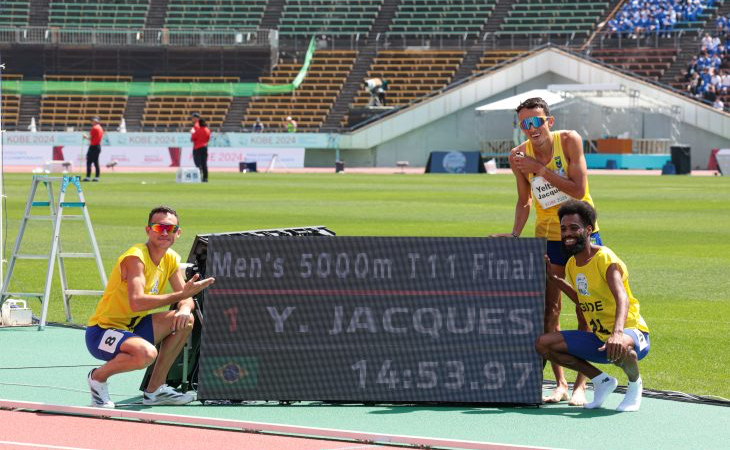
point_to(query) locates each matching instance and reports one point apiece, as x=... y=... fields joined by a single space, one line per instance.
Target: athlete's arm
x=133 y=272
x=185 y=306
x=561 y=283
x=615 y=346
x=577 y=180
x=524 y=197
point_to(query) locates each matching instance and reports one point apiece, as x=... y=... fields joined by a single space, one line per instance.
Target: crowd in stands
x=708 y=75
x=638 y=18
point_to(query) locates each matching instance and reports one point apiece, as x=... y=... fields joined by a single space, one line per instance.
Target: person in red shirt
x=194 y=117
x=200 y=139
x=92 y=154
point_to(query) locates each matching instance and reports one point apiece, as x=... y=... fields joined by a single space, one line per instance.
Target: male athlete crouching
x=598 y=281
x=124 y=333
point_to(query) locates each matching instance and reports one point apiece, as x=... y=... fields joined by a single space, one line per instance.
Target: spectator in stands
x=691 y=69
x=719 y=105
x=258 y=126
x=636 y=18
x=380 y=92
x=200 y=139
x=723 y=24
x=124 y=331
x=598 y=281
x=552 y=163
x=710 y=95
x=695 y=85
x=291 y=124
x=725 y=84
x=376 y=88
x=96 y=133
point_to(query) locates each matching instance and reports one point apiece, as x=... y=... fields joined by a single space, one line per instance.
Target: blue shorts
x=104 y=343
x=585 y=345
x=555 y=252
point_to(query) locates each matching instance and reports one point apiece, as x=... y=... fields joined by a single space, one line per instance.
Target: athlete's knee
x=144 y=356
x=629 y=358
x=542 y=345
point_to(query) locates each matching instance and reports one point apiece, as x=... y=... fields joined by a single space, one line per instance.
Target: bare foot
x=578 y=398
x=559 y=394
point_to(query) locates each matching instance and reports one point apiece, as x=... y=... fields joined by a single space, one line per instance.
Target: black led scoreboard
x=373 y=319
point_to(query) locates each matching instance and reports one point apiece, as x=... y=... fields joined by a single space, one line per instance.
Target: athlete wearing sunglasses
x=124 y=331
x=550 y=169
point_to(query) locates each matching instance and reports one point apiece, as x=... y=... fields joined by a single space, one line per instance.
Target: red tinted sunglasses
x=162 y=227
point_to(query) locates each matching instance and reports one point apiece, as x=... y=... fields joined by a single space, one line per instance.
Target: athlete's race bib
x=110 y=341
x=547 y=194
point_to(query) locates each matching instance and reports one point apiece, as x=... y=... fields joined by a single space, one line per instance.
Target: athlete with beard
x=598 y=282
x=550 y=169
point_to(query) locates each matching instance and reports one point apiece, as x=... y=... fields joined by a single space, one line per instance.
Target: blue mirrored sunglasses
x=536 y=122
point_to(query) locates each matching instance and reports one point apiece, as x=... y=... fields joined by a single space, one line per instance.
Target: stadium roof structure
x=605 y=95
x=594 y=110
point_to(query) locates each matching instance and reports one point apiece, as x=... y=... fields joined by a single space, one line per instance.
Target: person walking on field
x=200 y=139
x=96 y=133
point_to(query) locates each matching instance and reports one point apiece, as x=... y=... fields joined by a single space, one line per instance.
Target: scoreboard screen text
x=373 y=319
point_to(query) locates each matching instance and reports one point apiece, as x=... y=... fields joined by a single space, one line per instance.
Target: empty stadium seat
x=553 y=17
x=172 y=113
x=98 y=13
x=307 y=17
x=411 y=74
x=648 y=62
x=61 y=111
x=310 y=104
x=214 y=14
x=14 y=13
x=426 y=17
x=491 y=58
x=11 y=103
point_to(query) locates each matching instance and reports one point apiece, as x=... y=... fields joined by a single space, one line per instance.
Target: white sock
x=603 y=385
x=632 y=399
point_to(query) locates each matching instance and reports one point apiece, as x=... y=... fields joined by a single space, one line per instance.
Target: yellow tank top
x=547 y=224
x=596 y=300
x=113 y=310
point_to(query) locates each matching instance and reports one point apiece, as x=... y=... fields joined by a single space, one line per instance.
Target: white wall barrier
x=162 y=149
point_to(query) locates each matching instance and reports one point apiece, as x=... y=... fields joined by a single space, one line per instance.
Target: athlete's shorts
x=555 y=252
x=585 y=345
x=104 y=343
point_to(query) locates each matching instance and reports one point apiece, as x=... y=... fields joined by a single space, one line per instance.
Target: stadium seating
x=635 y=19
x=98 y=13
x=491 y=58
x=411 y=74
x=445 y=17
x=172 y=113
x=307 y=17
x=61 y=111
x=11 y=103
x=14 y=13
x=312 y=101
x=214 y=14
x=553 y=17
x=647 y=62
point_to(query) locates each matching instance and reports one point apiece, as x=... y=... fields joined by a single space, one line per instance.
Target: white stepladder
x=56 y=253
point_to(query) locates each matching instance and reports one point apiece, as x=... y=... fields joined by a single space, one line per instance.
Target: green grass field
x=670 y=231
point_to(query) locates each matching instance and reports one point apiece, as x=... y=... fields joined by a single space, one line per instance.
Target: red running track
x=39 y=431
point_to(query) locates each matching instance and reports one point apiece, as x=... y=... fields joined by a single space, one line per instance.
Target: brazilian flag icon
x=234 y=372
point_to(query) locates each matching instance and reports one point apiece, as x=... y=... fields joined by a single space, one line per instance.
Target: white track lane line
x=28 y=444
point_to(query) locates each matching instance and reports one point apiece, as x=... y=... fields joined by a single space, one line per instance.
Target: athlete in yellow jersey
x=598 y=281
x=122 y=331
x=550 y=169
